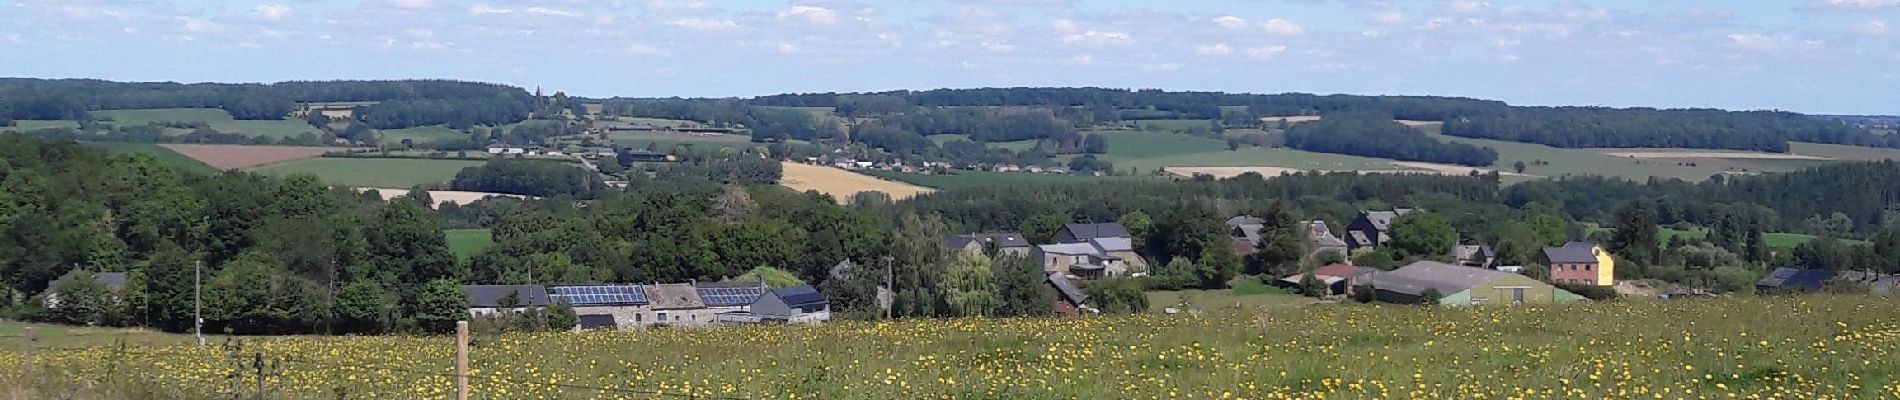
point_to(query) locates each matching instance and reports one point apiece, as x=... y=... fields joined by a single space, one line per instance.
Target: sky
x=1815 y=56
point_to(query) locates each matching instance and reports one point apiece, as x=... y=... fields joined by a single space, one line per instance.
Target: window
x=661 y=317
x=636 y=317
x=1586 y=267
x=1517 y=295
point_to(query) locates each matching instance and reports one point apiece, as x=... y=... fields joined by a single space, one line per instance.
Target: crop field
x=373 y=172
x=218 y=119
x=1149 y=151
x=1846 y=153
x=966 y=179
x=1741 y=347
x=158 y=151
x=234 y=156
x=467 y=242
x=668 y=140
x=842 y=184
x=438 y=198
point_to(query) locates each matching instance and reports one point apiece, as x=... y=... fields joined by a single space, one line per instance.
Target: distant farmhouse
x=1476 y=256
x=1459 y=285
x=678 y=304
x=1090 y=251
x=113 y=282
x=1372 y=228
x=1579 y=263
x=1245 y=231
x=975 y=243
x=1340 y=279
x=1081 y=233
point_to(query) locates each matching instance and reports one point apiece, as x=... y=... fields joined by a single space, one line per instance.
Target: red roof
x=1339 y=270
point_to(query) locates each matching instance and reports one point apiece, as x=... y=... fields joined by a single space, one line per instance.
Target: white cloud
x=667 y=6
x=1096 y=38
x=1065 y=26
x=484 y=9
x=641 y=50
x=412 y=4
x=272 y=12
x=1760 y=43
x=1230 y=22
x=1871 y=28
x=1158 y=67
x=198 y=25
x=1215 y=50
x=705 y=24
x=787 y=48
x=1847 y=5
x=1282 y=27
x=550 y=12
x=811 y=14
x=1265 y=52
x=419 y=33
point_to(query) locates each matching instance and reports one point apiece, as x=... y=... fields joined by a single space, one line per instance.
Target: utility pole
x=197 y=301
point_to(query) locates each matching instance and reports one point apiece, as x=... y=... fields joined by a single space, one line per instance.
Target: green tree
x=1138 y=225
x=1634 y=236
x=1430 y=297
x=364 y=307
x=81 y=300
x=1189 y=229
x=1423 y=234
x=1216 y=266
x=1311 y=285
x=252 y=294
x=133 y=302
x=970 y=284
x=1021 y=288
x=917 y=265
x=439 y=305
x=1117 y=295
x=1380 y=258
x=1041 y=228
x=1548 y=230
x=407 y=245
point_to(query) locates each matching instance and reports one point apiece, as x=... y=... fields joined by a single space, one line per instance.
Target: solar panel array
x=598 y=295
x=729 y=296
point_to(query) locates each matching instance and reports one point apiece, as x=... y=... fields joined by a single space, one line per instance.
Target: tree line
x=409 y=102
x=1578 y=127
x=1376 y=135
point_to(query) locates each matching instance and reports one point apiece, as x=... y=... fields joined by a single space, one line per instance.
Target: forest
x=1376 y=135
x=411 y=103
x=537 y=178
x=1577 y=127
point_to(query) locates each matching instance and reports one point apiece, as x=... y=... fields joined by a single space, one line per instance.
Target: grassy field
x=163 y=154
x=26 y=125
x=941 y=139
x=1150 y=151
x=1175 y=124
x=1016 y=146
x=1781 y=240
x=421 y=134
x=45 y=336
x=373 y=172
x=1746 y=347
x=667 y=140
x=218 y=119
x=466 y=242
x=1840 y=152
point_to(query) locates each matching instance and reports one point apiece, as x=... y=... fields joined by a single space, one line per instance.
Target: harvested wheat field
x=237 y=156
x=841 y=184
x=1448 y=169
x=1311 y=118
x=440 y=197
x=1714 y=154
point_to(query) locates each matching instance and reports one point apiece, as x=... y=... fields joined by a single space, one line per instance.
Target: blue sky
x=1820 y=56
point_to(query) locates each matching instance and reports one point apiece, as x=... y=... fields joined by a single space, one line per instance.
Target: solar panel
x=729 y=296
x=599 y=295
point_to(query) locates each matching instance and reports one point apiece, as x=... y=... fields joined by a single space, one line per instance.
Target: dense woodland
x=403 y=103
x=1376 y=135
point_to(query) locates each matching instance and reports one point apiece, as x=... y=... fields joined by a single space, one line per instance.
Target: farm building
x=491 y=299
x=1340 y=279
x=1794 y=280
x=1006 y=243
x=1459 y=285
x=1080 y=233
x=1096 y=258
x=1070 y=300
x=795 y=305
x=1245 y=231
x=1372 y=228
x=1321 y=237
x=1476 y=256
x=642 y=155
x=110 y=281
x=1579 y=263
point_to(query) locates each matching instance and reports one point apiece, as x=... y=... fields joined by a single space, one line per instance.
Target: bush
x=1592 y=292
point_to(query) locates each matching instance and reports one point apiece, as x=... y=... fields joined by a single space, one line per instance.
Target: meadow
x=1810 y=347
x=467 y=242
x=216 y=118
x=156 y=151
x=372 y=172
x=420 y=134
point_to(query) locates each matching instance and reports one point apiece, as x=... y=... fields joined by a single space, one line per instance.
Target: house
x=1080 y=259
x=1579 y=263
x=1006 y=243
x=1070 y=300
x=1340 y=279
x=1321 y=237
x=1245 y=231
x=491 y=299
x=1372 y=228
x=111 y=281
x=793 y=305
x=605 y=306
x=728 y=297
x=1476 y=256
x=505 y=149
x=1080 y=233
x=677 y=304
x=1460 y=285
x=1793 y=280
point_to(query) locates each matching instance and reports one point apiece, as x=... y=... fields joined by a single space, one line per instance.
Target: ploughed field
x=1743 y=347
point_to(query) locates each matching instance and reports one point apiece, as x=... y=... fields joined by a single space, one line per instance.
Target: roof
x=1250 y=232
x=729 y=294
x=111 y=280
x=1415 y=278
x=673 y=296
x=1296 y=278
x=1002 y=240
x=598 y=295
x=1091 y=231
x=841 y=268
x=801 y=296
x=1067 y=289
x=1322 y=235
x=1341 y=270
x=1571 y=253
x=1245 y=220
x=1070 y=248
x=1382 y=220
x=1795 y=278
x=489 y=296
x=1467 y=251
x=1113 y=244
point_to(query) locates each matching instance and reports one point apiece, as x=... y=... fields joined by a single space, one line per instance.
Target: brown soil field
x=235 y=156
x=1229 y=172
x=441 y=197
x=841 y=184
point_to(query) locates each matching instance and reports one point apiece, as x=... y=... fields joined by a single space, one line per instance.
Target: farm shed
x=490 y=299
x=1459 y=285
x=1794 y=279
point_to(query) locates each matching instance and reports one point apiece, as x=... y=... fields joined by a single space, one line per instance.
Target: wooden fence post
x=461 y=360
x=26 y=365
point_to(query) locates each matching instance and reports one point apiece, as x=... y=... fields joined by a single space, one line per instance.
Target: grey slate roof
x=1382 y=220
x=1795 y=278
x=1571 y=253
x=1415 y=278
x=1003 y=240
x=1084 y=232
x=1067 y=289
x=1322 y=235
x=489 y=296
x=1108 y=244
x=673 y=296
x=803 y=297
x=1245 y=220
x=110 y=280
